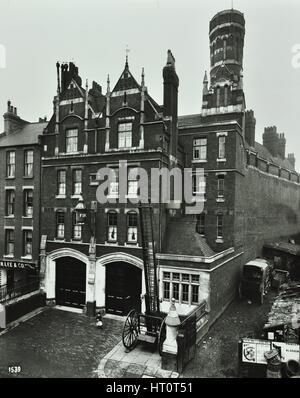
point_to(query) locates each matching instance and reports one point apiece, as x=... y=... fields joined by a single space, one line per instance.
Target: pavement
x=140 y=362
x=57 y=344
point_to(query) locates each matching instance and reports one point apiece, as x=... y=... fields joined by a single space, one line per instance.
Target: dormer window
x=125 y=135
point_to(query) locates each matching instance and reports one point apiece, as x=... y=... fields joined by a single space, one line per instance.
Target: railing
x=18 y=290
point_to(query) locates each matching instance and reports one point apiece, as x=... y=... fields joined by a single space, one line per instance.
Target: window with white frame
x=220 y=186
x=183 y=287
x=133 y=181
x=9 y=242
x=77 y=182
x=60 y=225
x=200 y=149
x=112 y=226
x=132 y=222
x=28 y=202
x=10 y=202
x=10 y=164
x=61 y=182
x=199 y=184
x=71 y=140
x=28 y=163
x=220 y=225
x=222 y=140
x=113 y=189
x=125 y=135
x=27 y=242
x=77 y=228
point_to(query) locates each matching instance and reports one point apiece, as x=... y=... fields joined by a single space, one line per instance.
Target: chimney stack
x=291 y=159
x=271 y=139
x=12 y=122
x=170 y=107
x=281 y=146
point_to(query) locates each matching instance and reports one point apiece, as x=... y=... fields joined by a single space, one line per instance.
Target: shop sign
x=18 y=264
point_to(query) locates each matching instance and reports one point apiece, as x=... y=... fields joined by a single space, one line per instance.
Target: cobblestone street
x=217 y=354
x=57 y=343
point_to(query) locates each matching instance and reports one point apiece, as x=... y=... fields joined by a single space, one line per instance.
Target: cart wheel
x=131 y=330
x=161 y=336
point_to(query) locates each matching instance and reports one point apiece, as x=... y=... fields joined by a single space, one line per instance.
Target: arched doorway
x=123 y=288
x=70 y=285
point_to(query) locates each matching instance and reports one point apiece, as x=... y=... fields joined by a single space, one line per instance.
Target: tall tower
x=226 y=37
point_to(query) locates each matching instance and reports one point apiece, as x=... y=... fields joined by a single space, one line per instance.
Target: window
x=200 y=224
x=10 y=202
x=112 y=221
x=184 y=288
x=185 y=293
x=77 y=229
x=176 y=291
x=220 y=186
x=61 y=181
x=28 y=163
x=113 y=189
x=71 y=141
x=27 y=243
x=222 y=139
x=195 y=294
x=10 y=164
x=225 y=95
x=200 y=148
x=132 y=222
x=132 y=181
x=199 y=188
x=125 y=135
x=218 y=96
x=60 y=225
x=166 y=286
x=9 y=242
x=220 y=225
x=28 y=202
x=77 y=182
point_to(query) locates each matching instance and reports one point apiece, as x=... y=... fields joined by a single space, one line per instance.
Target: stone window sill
x=9 y=256
x=111 y=243
x=221 y=160
x=220 y=200
x=26 y=257
x=199 y=161
x=60 y=197
x=9 y=217
x=219 y=240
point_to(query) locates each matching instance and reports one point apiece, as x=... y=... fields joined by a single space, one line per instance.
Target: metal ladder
x=150 y=267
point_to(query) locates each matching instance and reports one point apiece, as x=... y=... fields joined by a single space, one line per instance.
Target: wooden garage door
x=123 y=288
x=70 y=282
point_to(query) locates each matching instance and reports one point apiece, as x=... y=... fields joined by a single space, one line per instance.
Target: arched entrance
x=123 y=290
x=70 y=284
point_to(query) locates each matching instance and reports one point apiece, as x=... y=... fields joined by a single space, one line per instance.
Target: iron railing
x=18 y=289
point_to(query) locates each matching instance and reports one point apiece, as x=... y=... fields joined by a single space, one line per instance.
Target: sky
x=35 y=34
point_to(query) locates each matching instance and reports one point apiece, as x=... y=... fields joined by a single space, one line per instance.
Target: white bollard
x=172 y=322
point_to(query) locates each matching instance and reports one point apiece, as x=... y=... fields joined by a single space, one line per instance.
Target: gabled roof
x=126 y=81
x=28 y=135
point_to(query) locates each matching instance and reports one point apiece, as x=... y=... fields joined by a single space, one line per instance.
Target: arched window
x=132 y=222
x=112 y=226
x=225 y=95
x=218 y=96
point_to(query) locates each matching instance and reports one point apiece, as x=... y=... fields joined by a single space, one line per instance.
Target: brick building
x=20 y=204
x=251 y=191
